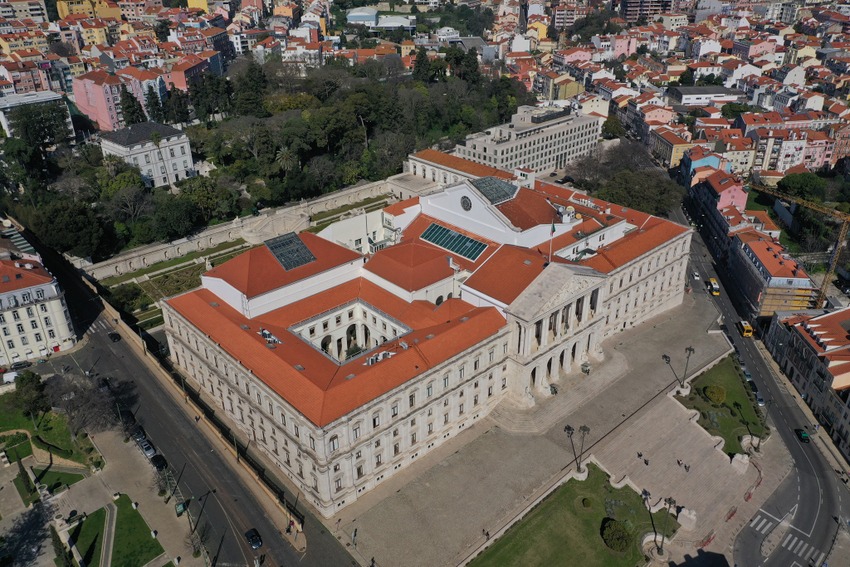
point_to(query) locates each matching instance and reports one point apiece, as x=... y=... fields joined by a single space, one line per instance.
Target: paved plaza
x=433 y=513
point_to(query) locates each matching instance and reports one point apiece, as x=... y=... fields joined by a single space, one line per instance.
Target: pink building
x=749 y=50
x=729 y=190
x=624 y=45
x=138 y=80
x=819 y=150
x=185 y=71
x=98 y=95
x=572 y=55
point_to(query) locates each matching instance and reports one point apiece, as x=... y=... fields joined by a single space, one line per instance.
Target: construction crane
x=842 y=233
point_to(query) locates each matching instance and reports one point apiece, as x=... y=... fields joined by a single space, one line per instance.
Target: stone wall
x=254 y=229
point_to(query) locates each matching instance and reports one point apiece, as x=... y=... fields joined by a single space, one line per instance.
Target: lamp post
x=666 y=359
x=645 y=496
x=568 y=429
x=670 y=503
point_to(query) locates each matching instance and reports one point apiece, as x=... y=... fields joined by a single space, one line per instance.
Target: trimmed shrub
x=45 y=446
x=714 y=394
x=616 y=535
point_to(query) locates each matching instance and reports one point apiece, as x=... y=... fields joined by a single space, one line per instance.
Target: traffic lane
x=173 y=432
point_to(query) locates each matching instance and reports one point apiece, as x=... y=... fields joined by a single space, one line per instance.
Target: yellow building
x=199 y=5
x=92 y=8
x=22 y=41
x=94 y=32
x=668 y=147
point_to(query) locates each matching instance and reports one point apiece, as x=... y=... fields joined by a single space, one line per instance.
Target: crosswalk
x=762 y=524
x=97 y=326
x=803 y=550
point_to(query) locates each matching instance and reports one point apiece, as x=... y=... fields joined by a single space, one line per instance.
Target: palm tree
x=156 y=138
x=286 y=159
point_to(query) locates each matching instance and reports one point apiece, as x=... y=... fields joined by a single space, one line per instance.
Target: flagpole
x=551 y=238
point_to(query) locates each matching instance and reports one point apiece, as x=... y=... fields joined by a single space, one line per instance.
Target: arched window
x=439 y=300
x=333 y=444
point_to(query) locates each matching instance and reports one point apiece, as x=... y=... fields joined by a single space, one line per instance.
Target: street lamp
x=568 y=429
x=645 y=495
x=670 y=503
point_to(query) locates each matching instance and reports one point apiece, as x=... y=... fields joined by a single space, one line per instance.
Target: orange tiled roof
x=315 y=385
x=257 y=271
x=460 y=164
x=13 y=277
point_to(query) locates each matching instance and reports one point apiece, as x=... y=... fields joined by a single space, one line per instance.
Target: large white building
x=34 y=318
x=10 y=102
x=346 y=368
x=161 y=153
x=542 y=139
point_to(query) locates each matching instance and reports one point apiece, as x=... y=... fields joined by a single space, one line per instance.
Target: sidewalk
x=128 y=472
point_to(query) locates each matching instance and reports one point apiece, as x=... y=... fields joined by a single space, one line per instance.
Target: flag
x=553 y=228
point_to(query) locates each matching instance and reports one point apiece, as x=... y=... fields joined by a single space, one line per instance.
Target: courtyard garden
x=726 y=405
x=88 y=537
x=588 y=523
x=133 y=544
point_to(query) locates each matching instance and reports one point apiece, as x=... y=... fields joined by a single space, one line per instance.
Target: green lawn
x=757 y=201
x=25 y=497
x=52 y=428
x=88 y=536
x=115 y=280
x=565 y=528
x=56 y=481
x=735 y=415
x=133 y=544
x=20 y=450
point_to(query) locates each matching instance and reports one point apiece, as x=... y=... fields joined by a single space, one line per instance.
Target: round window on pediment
x=466 y=203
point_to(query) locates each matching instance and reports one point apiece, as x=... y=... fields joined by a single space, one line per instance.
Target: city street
x=810 y=498
x=204 y=470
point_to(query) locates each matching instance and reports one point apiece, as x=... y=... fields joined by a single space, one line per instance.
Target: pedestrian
x=640 y=455
x=487 y=535
x=197 y=418
x=646 y=462
x=483 y=532
x=687 y=468
x=679 y=462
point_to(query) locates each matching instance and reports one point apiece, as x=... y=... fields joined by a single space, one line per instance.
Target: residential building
x=34 y=318
x=161 y=153
x=812 y=348
x=543 y=139
x=646 y=10
x=34 y=10
x=91 y=8
x=668 y=146
x=98 y=95
x=702 y=96
x=345 y=370
x=12 y=101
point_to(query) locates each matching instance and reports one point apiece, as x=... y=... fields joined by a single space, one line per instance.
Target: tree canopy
x=131 y=108
x=30 y=396
x=40 y=125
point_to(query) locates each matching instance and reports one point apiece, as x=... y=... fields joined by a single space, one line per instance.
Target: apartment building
x=161 y=153
x=98 y=95
x=34 y=10
x=542 y=139
x=9 y=103
x=34 y=318
x=346 y=369
x=647 y=10
x=813 y=350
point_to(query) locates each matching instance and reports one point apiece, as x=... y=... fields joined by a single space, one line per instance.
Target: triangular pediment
x=557 y=285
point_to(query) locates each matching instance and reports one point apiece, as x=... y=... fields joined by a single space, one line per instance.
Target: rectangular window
x=446 y=381
x=295 y=430
x=411 y=400
x=412 y=438
x=445 y=419
x=16 y=316
x=475 y=364
x=38 y=337
x=338 y=484
x=334 y=444
x=376 y=420
x=461 y=372
x=50 y=334
x=429 y=390
x=377 y=460
x=396 y=449
x=47 y=322
x=394 y=410
x=430 y=428
x=20 y=328
x=356 y=431
x=312 y=443
x=43 y=308
x=460 y=409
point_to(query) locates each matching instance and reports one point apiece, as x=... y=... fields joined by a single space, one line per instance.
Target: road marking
x=821 y=558
x=811 y=551
x=785 y=543
x=758 y=527
x=766 y=528
x=756 y=519
x=798 y=546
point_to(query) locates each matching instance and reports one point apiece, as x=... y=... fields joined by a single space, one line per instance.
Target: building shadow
x=703 y=559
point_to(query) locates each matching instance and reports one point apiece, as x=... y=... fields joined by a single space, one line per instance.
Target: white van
x=9 y=377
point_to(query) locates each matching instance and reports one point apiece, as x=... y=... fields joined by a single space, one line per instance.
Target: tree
x=250 y=88
x=805 y=185
x=176 y=107
x=131 y=108
x=687 y=77
x=211 y=200
x=40 y=125
x=650 y=193
x=29 y=394
x=613 y=128
x=735 y=109
x=87 y=404
x=175 y=219
x=154 y=105
x=69 y=226
x=162 y=28
x=421 y=66
x=130 y=203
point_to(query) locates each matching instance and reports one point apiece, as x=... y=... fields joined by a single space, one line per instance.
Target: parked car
x=802 y=436
x=254 y=539
x=696 y=276
x=147 y=449
x=138 y=434
x=159 y=463
x=748 y=375
x=753 y=387
x=759 y=399
x=20 y=365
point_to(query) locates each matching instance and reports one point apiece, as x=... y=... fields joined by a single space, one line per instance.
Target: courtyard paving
x=435 y=511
